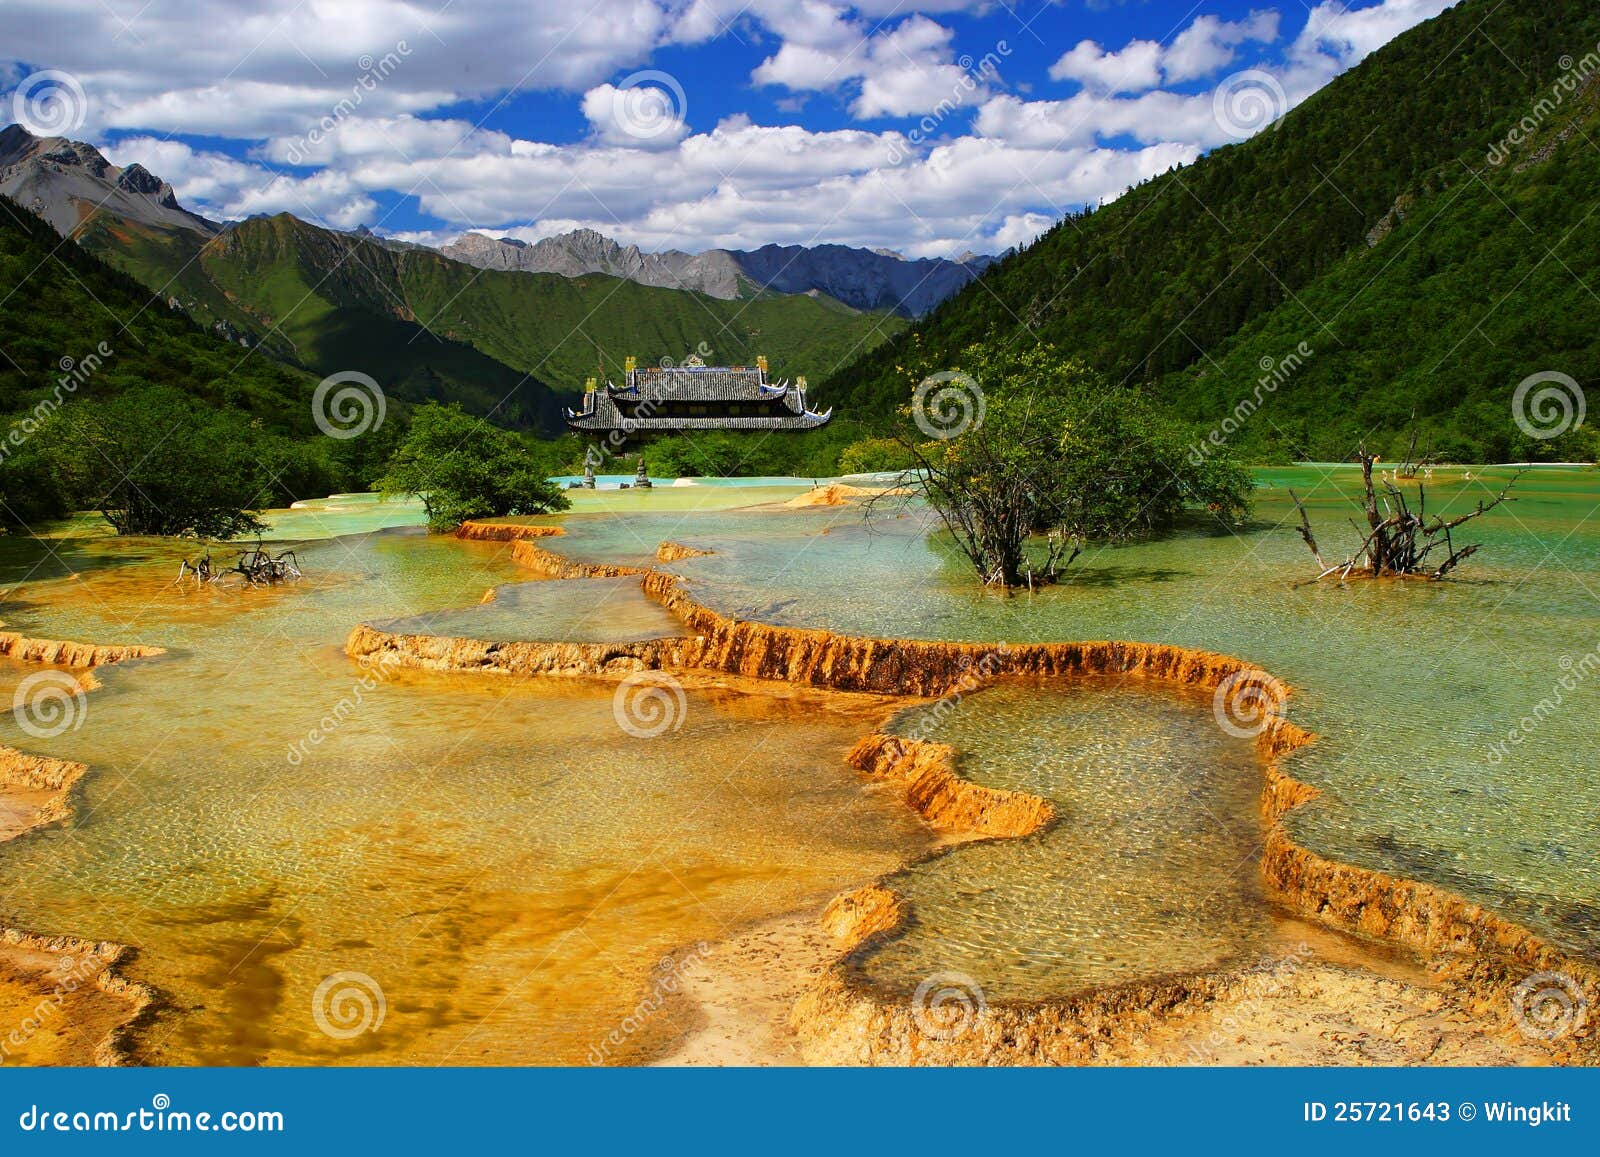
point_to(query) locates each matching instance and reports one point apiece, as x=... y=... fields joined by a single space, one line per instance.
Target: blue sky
x=928 y=126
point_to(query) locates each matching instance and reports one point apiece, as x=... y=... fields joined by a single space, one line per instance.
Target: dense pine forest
x=1426 y=266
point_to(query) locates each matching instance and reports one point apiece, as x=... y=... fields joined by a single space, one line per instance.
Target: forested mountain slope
x=1372 y=224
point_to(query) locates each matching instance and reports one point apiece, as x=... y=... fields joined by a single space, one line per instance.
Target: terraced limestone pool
x=501 y=858
x=1456 y=720
x=510 y=865
x=1151 y=869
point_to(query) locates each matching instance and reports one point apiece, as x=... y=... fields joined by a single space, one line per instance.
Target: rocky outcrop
x=525 y=551
x=82 y=962
x=910 y=666
x=835 y=494
x=852 y=917
x=950 y=804
x=553 y=565
x=59 y=653
x=67 y=182
x=673 y=551
x=100 y=962
x=103 y=964
x=504 y=531
x=441 y=653
x=585 y=251
x=843 y=1020
x=840 y=1021
x=823 y=659
x=39 y=772
x=863 y=278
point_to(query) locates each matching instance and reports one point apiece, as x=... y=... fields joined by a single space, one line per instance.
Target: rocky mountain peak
x=861 y=278
x=67 y=181
x=138 y=179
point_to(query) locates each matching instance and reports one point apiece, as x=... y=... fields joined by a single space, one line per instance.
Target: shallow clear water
x=566 y=610
x=509 y=864
x=504 y=861
x=1151 y=868
x=1410 y=685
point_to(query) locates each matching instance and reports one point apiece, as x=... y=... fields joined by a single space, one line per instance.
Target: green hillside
x=61 y=302
x=73 y=329
x=1369 y=224
x=309 y=299
x=426 y=326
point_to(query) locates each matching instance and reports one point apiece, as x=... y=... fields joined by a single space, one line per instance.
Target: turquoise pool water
x=1415 y=688
x=510 y=865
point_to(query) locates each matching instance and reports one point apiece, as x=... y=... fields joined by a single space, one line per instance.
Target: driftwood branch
x=1397 y=540
x=1305 y=530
